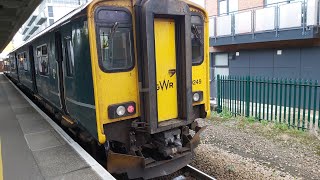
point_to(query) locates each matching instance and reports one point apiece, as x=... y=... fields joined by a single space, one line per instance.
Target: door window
x=69 y=56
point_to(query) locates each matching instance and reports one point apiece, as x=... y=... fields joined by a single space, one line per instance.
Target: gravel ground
x=236 y=149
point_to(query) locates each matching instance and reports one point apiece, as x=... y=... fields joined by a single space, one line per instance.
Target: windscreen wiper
x=196 y=33
x=113 y=29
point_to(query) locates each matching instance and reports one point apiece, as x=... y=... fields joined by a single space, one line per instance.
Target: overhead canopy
x=13 y=13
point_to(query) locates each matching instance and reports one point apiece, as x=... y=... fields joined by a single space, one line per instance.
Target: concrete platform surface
x=33 y=147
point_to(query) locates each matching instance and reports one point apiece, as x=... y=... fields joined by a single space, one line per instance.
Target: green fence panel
x=291 y=101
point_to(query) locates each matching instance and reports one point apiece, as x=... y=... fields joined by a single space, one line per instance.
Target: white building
x=46 y=14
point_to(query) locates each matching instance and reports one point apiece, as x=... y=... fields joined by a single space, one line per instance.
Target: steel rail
x=196 y=173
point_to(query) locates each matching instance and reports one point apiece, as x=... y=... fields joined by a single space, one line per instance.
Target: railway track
x=190 y=172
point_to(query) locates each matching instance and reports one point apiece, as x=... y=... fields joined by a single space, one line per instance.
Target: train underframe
x=133 y=150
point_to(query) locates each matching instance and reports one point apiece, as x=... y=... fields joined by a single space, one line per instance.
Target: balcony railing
x=299 y=14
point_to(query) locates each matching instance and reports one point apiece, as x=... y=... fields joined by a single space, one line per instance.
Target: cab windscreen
x=197 y=39
x=115 y=40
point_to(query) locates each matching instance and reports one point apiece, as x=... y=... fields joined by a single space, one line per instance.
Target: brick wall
x=212 y=5
x=246 y=4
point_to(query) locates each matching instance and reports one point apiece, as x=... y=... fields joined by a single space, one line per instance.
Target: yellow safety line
x=1 y=169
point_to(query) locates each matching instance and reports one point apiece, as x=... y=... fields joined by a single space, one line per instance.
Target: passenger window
x=19 y=62
x=42 y=60
x=115 y=40
x=197 y=39
x=12 y=63
x=25 y=62
x=69 y=56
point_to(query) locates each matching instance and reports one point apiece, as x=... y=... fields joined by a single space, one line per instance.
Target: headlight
x=121 y=110
x=197 y=96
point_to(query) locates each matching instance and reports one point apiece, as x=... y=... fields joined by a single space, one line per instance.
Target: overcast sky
x=200 y=2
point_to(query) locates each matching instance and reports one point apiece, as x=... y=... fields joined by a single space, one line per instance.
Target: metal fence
x=294 y=102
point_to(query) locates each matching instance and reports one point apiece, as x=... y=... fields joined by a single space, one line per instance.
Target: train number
x=197 y=81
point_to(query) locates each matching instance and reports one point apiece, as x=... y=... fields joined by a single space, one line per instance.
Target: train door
x=165 y=60
x=58 y=44
x=166 y=65
x=32 y=69
x=17 y=66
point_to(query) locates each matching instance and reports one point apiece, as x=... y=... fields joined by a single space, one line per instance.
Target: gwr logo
x=164 y=85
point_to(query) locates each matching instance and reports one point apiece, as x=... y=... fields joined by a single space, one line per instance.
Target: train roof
x=72 y=14
x=56 y=24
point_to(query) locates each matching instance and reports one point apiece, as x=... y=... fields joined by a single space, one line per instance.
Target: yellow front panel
x=110 y=88
x=165 y=50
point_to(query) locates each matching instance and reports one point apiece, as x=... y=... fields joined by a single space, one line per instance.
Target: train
x=129 y=76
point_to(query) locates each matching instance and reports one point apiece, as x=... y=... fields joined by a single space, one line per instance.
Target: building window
x=69 y=56
x=227 y=6
x=50 y=11
x=51 y=21
x=221 y=64
x=42 y=60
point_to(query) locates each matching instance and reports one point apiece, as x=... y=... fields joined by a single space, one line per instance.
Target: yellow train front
x=151 y=81
x=130 y=76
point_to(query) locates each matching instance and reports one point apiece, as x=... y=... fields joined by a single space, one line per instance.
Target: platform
x=33 y=147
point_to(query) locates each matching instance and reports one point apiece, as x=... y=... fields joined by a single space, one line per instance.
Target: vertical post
x=240 y=95
x=299 y=105
x=272 y=88
x=294 y=102
x=243 y=94
x=268 y=97
x=304 y=104
x=285 y=100
x=264 y=96
x=276 y=110
x=256 y=108
x=290 y=97
x=252 y=94
x=247 y=96
x=235 y=96
x=309 y=102
x=222 y=92
x=219 y=93
x=260 y=98
x=280 y=103
x=230 y=96
x=319 y=114
x=315 y=103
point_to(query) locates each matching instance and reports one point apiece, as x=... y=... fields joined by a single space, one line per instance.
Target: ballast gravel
x=229 y=152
